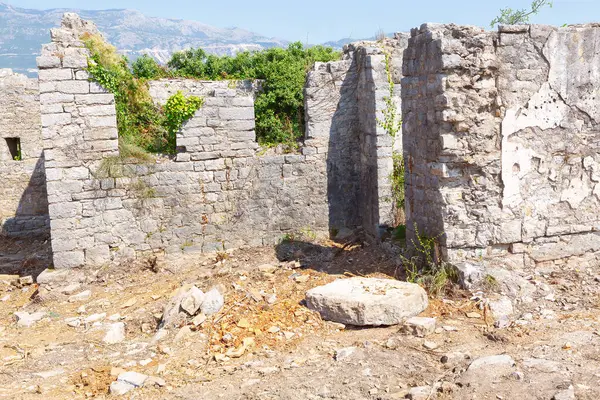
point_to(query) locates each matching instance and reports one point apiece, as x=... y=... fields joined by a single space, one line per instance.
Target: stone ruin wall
x=501 y=142
x=344 y=99
x=23 y=203
x=220 y=191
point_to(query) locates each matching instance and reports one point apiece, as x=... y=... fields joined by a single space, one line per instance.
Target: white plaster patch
x=577 y=191
x=543 y=110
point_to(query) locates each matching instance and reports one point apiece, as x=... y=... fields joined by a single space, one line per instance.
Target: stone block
x=239 y=113
x=55 y=74
x=47 y=62
x=367 y=301
x=68 y=259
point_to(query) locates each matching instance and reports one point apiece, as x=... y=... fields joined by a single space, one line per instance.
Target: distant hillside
x=23 y=31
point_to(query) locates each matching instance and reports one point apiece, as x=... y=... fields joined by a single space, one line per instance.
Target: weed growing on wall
x=508 y=16
x=392 y=125
x=179 y=109
x=279 y=107
x=426 y=267
x=390 y=121
x=141 y=123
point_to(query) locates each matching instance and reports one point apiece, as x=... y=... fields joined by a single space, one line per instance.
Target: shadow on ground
x=351 y=259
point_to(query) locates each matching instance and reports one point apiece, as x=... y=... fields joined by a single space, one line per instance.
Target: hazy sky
x=323 y=20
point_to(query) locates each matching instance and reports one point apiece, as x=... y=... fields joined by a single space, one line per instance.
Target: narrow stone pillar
x=79 y=129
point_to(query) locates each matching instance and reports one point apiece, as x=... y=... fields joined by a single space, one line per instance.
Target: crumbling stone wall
x=218 y=193
x=501 y=141
x=344 y=100
x=23 y=200
x=79 y=130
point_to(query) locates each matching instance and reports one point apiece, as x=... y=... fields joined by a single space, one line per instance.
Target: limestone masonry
x=500 y=141
x=23 y=203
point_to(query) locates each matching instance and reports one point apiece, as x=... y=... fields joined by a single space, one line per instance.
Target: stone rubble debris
x=420 y=326
x=25 y=319
x=115 y=333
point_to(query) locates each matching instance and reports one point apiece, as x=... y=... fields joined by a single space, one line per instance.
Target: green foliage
x=179 y=109
x=142 y=124
x=397 y=180
x=279 y=107
x=508 y=16
x=426 y=269
x=390 y=123
x=146 y=67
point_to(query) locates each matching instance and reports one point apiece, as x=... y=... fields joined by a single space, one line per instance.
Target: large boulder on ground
x=367 y=301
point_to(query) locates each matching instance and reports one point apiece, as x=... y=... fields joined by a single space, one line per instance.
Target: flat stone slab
x=367 y=301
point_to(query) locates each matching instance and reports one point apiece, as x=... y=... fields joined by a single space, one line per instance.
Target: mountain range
x=23 y=31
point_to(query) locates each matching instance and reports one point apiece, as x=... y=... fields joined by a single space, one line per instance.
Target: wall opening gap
x=14 y=147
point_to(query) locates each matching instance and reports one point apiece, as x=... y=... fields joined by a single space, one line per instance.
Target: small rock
x=367 y=301
x=25 y=319
x=199 y=319
x=115 y=333
x=94 y=317
x=55 y=277
x=420 y=393
x=420 y=326
x=274 y=329
x=192 y=300
x=70 y=289
x=450 y=328
x=473 y=315
x=133 y=378
x=268 y=268
x=5 y=298
x=213 y=302
x=83 y=296
x=430 y=345
x=344 y=353
x=81 y=310
x=501 y=308
x=26 y=280
x=517 y=376
x=271 y=299
x=289 y=335
x=502 y=322
x=119 y=388
x=160 y=335
x=454 y=358
x=499 y=360
x=301 y=278
x=114 y=317
x=73 y=322
x=155 y=381
x=568 y=394
x=527 y=317
x=172 y=316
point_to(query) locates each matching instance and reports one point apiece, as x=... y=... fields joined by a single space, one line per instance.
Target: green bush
x=141 y=123
x=146 y=67
x=279 y=107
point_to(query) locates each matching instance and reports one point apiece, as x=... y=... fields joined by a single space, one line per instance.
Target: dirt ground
x=261 y=346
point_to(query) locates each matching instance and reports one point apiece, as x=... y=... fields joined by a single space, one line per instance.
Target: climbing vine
x=390 y=122
x=179 y=109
